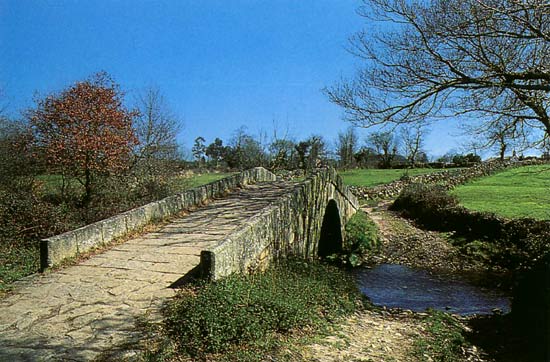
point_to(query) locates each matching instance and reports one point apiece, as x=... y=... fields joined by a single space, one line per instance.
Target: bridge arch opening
x=330 y=240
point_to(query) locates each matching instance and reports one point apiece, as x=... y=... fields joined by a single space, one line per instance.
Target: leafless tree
x=442 y=58
x=156 y=128
x=501 y=134
x=346 y=146
x=385 y=145
x=413 y=137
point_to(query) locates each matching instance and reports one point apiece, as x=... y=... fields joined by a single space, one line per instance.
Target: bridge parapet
x=289 y=227
x=55 y=249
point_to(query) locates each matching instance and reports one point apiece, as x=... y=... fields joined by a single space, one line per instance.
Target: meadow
x=518 y=192
x=184 y=183
x=53 y=182
x=373 y=177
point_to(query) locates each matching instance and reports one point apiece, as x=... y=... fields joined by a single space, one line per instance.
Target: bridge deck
x=80 y=311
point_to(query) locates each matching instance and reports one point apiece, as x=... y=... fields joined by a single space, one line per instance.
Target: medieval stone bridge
x=239 y=224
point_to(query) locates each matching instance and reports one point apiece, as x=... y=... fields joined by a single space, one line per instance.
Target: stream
x=398 y=286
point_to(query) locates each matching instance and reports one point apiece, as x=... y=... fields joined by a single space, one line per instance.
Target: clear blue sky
x=220 y=64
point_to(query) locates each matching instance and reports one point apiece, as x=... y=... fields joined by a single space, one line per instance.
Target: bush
x=362 y=238
x=425 y=203
x=246 y=311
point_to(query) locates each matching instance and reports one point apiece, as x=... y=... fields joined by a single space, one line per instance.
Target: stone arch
x=330 y=240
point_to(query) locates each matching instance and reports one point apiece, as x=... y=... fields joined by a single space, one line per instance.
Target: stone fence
x=289 y=227
x=449 y=179
x=55 y=249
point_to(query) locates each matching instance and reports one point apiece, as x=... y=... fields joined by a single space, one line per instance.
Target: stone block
x=136 y=218
x=113 y=227
x=88 y=237
x=174 y=204
x=57 y=248
x=200 y=195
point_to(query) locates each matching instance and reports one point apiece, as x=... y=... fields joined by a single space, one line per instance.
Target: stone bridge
x=90 y=309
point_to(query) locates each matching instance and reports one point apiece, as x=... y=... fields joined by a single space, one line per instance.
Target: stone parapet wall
x=449 y=179
x=55 y=249
x=289 y=227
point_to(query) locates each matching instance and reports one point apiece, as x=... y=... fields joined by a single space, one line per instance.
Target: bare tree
x=385 y=145
x=282 y=151
x=501 y=135
x=440 y=58
x=346 y=147
x=413 y=137
x=156 y=128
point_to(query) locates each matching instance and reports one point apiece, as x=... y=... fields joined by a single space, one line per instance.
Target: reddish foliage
x=85 y=128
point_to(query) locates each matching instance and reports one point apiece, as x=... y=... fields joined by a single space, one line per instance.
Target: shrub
x=362 y=238
x=424 y=203
x=246 y=311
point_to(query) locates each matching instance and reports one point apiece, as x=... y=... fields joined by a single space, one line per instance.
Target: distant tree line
x=403 y=147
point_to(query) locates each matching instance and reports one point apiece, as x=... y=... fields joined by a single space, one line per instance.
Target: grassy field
x=373 y=177
x=184 y=183
x=53 y=182
x=519 y=192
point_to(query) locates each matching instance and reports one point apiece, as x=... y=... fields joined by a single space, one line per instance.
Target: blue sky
x=220 y=64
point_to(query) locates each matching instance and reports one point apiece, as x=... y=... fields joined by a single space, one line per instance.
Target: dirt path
x=368 y=336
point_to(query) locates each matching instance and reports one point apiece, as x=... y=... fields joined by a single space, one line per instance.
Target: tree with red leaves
x=85 y=130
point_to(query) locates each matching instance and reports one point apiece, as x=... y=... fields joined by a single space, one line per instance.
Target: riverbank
x=393 y=334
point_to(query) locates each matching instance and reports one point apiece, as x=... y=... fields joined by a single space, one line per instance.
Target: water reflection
x=402 y=287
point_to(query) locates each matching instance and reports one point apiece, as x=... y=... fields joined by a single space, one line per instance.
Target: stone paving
x=78 y=312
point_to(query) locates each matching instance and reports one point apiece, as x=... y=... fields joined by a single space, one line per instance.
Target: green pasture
x=183 y=183
x=518 y=192
x=372 y=177
x=53 y=182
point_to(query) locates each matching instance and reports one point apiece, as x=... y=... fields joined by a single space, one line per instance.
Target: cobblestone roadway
x=77 y=312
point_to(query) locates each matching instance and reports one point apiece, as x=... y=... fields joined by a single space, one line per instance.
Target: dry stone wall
x=55 y=249
x=449 y=179
x=290 y=226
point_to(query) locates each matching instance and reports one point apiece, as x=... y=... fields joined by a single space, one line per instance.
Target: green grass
x=518 y=192
x=373 y=177
x=443 y=341
x=15 y=263
x=184 y=183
